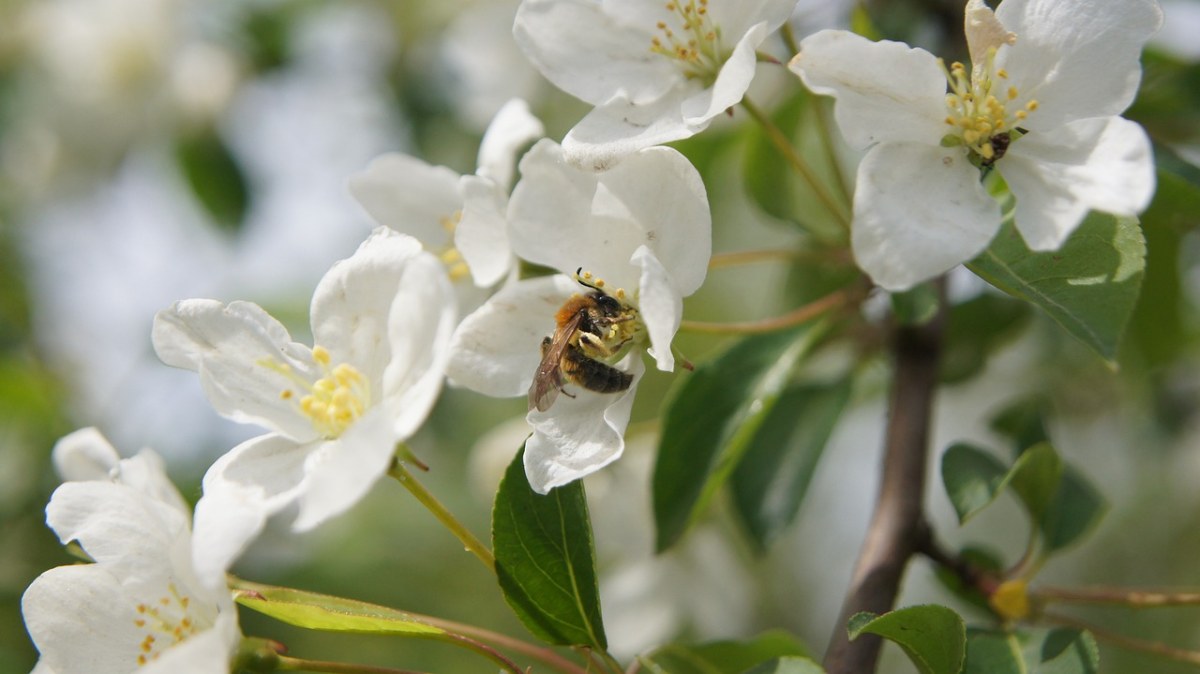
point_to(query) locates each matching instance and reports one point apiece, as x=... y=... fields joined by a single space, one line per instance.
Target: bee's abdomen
x=593 y=374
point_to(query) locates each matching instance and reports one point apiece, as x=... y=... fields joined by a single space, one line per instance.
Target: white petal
x=496 y=350
x=482 y=232
x=84 y=455
x=81 y=619
x=251 y=482
x=1077 y=59
x=592 y=54
x=350 y=305
x=737 y=18
x=209 y=652
x=1058 y=176
x=621 y=127
x=984 y=31
x=511 y=129
x=579 y=436
x=229 y=346
x=147 y=473
x=118 y=525
x=340 y=472
x=732 y=82
x=661 y=307
x=885 y=91
x=919 y=210
x=420 y=323
x=409 y=196
x=566 y=218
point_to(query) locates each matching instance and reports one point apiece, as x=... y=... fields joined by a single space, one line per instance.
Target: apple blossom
x=656 y=71
x=380 y=320
x=459 y=217
x=642 y=232
x=140 y=606
x=1039 y=104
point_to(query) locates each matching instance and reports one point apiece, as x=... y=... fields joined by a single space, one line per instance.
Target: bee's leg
x=566 y=393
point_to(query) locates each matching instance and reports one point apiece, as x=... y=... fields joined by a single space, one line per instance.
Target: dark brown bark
x=897 y=524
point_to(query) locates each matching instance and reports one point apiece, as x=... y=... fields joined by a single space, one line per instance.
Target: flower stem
x=784 y=146
x=427 y=499
x=301 y=665
x=1130 y=643
x=719 y=260
x=1116 y=595
x=794 y=317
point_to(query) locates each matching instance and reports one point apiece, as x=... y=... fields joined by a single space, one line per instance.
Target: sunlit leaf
x=933 y=637
x=545 y=559
x=710 y=419
x=1089 y=286
x=314 y=611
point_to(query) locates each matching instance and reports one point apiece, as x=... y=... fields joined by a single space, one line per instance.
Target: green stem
x=789 y=37
x=784 y=146
x=302 y=665
x=719 y=260
x=794 y=317
x=427 y=499
x=826 y=135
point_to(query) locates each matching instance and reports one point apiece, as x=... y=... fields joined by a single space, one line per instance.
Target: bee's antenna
x=585 y=280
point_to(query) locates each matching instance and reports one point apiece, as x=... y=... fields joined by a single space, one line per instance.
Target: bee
x=590 y=327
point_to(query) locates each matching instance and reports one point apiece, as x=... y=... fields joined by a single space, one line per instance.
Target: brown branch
x=897 y=524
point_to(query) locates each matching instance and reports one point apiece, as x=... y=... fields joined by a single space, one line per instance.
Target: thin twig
x=1116 y=595
x=896 y=525
x=301 y=665
x=719 y=260
x=1130 y=643
x=794 y=317
x=427 y=499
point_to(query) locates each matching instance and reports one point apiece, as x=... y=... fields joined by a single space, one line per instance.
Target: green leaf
x=979 y=558
x=772 y=478
x=1069 y=651
x=788 y=665
x=917 y=306
x=973 y=478
x=1076 y=509
x=1089 y=286
x=1023 y=422
x=993 y=652
x=314 y=611
x=933 y=637
x=1035 y=477
x=975 y=329
x=726 y=657
x=710 y=419
x=215 y=177
x=545 y=559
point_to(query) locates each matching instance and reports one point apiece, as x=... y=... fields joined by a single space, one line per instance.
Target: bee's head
x=608 y=305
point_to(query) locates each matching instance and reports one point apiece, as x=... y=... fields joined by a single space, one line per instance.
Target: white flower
x=459 y=217
x=140 y=607
x=656 y=71
x=642 y=230
x=380 y=321
x=1039 y=104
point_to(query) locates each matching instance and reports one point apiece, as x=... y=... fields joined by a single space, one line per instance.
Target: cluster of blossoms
x=625 y=227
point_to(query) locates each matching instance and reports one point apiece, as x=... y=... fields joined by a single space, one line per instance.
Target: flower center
x=166 y=622
x=619 y=322
x=982 y=110
x=696 y=47
x=333 y=402
x=449 y=255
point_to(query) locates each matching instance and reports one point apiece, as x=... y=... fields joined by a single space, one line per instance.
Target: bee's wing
x=548 y=379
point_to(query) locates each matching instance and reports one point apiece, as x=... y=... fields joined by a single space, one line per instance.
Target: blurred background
x=154 y=150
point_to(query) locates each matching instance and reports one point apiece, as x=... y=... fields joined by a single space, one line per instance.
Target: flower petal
x=230 y=345
x=591 y=53
x=732 y=81
x=579 y=436
x=511 y=129
x=621 y=127
x=350 y=305
x=409 y=196
x=901 y=240
x=209 y=652
x=661 y=306
x=118 y=525
x=1078 y=60
x=738 y=18
x=566 y=218
x=1058 y=176
x=251 y=482
x=340 y=472
x=885 y=91
x=421 y=321
x=84 y=455
x=81 y=618
x=147 y=473
x=496 y=349
x=482 y=232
